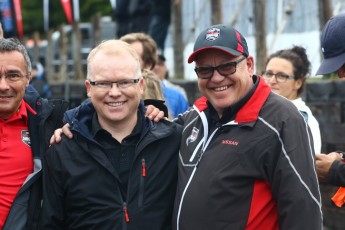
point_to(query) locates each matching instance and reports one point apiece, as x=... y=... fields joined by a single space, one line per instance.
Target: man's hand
x=56 y=138
x=324 y=162
x=153 y=113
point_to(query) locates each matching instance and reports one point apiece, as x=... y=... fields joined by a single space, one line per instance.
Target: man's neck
x=120 y=129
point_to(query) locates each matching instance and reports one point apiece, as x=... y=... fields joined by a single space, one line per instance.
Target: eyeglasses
x=225 y=70
x=13 y=76
x=280 y=77
x=107 y=85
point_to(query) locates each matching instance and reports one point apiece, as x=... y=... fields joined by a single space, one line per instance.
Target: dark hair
x=13 y=44
x=298 y=57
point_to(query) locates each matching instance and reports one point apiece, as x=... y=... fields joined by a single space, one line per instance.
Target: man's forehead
x=12 y=59
x=212 y=54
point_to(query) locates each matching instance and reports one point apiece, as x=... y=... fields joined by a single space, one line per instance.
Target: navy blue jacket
x=83 y=189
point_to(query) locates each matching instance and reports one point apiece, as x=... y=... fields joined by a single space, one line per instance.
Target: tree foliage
x=32 y=13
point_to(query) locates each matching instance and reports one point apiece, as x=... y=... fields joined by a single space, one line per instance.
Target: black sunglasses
x=226 y=69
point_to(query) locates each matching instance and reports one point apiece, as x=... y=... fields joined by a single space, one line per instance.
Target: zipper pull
x=143 y=168
x=125 y=212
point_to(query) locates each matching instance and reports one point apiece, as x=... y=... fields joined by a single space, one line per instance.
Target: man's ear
x=141 y=85
x=28 y=78
x=88 y=87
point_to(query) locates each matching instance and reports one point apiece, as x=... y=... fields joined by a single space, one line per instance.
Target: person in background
x=119 y=171
x=162 y=72
x=329 y=167
x=152 y=86
x=286 y=73
x=132 y=16
x=38 y=80
x=159 y=22
x=144 y=16
x=145 y=46
x=26 y=123
x=147 y=49
x=153 y=90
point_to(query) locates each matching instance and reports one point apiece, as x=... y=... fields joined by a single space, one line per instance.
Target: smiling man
x=245 y=157
x=119 y=170
x=26 y=122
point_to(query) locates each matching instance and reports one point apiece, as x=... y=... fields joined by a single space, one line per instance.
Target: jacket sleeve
x=294 y=180
x=336 y=175
x=52 y=207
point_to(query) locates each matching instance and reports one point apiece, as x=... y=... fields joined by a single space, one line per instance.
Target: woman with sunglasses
x=286 y=73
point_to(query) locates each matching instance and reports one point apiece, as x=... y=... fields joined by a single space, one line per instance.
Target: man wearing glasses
x=245 y=160
x=26 y=123
x=119 y=171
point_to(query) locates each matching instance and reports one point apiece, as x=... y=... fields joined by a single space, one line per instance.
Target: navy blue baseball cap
x=333 y=45
x=220 y=37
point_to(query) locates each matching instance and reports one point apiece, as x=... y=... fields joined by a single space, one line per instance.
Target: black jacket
x=82 y=188
x=255 y=171
x=43 y=119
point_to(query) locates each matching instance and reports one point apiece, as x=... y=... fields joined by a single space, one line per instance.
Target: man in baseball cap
x=333 y=46
x=244 y=149
x=223 y=38
x=245 y=160
x=330 y=167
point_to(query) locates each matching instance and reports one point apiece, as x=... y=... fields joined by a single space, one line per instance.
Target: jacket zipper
x=125 y=212
x=199 y=157
x=142 y=183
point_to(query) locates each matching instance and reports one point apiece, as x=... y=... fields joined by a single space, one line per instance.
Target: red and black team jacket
x=255 y=172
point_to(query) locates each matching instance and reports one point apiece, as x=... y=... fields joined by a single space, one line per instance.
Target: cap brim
x=224 y=49
x=330 y=65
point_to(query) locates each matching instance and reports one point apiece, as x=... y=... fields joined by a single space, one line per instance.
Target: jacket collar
x=249 y=112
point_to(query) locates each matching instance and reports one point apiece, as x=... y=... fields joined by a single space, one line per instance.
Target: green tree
x=32 y=13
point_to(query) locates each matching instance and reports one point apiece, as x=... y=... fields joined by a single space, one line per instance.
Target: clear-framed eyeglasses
x=107 y=85
x=280 y=77
x=13 y=76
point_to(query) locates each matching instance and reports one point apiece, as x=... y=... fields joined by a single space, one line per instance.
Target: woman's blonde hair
x=152 y=86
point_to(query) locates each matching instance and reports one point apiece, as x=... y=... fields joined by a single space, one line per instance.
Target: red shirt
x=16 y=161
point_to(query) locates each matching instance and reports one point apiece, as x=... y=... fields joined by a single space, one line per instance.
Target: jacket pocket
x=142 y=183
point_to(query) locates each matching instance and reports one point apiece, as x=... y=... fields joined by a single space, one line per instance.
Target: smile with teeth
x=115 y=104
x=221 y=88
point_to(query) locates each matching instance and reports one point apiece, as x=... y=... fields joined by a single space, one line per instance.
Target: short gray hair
x=13 y=44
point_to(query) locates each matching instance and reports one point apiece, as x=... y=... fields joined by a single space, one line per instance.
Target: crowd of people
x=246 y=155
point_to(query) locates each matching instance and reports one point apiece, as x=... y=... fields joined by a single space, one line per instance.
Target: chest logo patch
x=26 y=137
x=193 y=136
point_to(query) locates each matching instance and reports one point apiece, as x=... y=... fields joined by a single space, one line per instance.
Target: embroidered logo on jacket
x=230 y=142
x=193 y=136
x=26 y=137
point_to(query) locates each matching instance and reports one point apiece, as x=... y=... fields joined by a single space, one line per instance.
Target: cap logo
x=212 y=34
